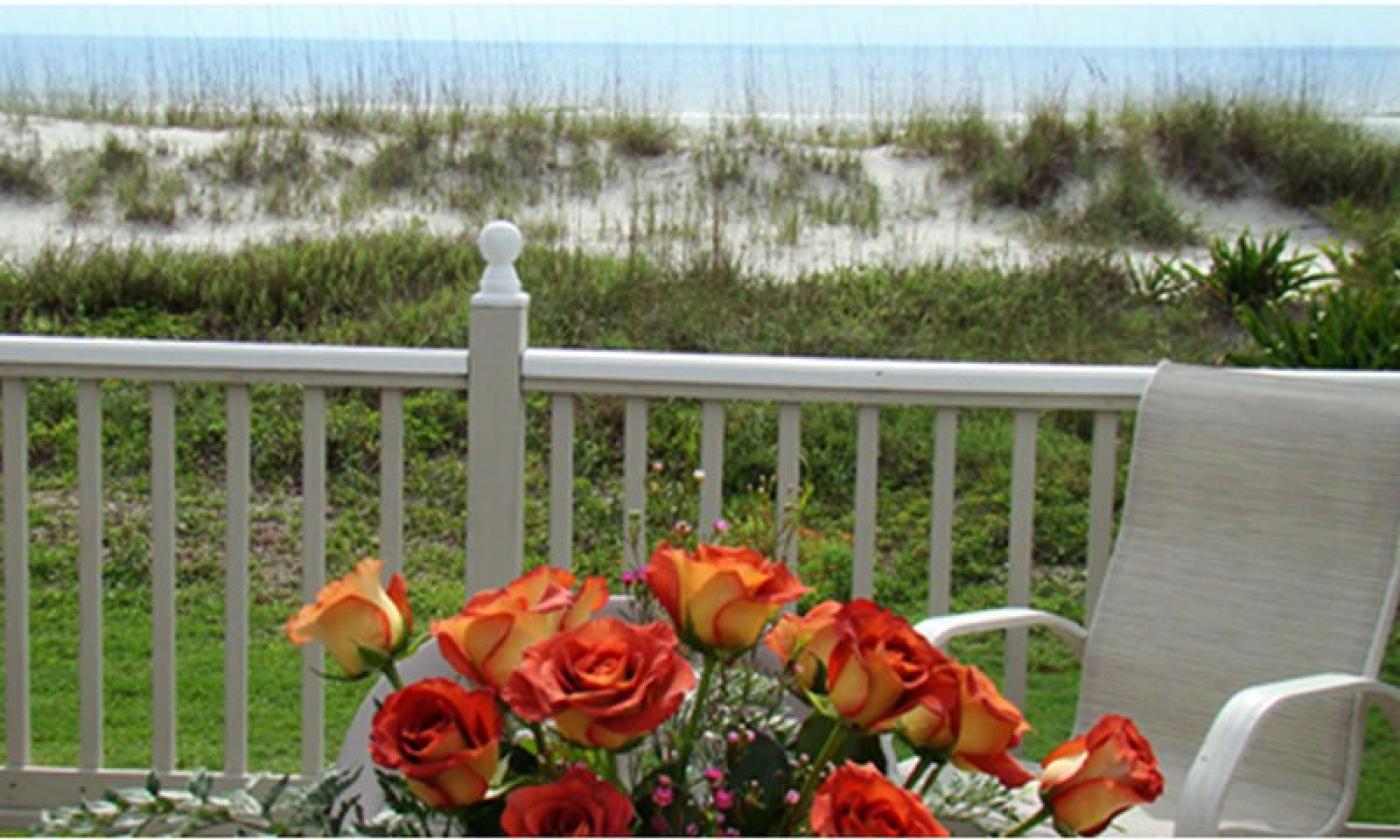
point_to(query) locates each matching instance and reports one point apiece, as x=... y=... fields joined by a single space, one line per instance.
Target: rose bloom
x=856 y=800
x=804 y=642
x=356 y=612
x=484 y=642
x=965 y=719
x=606 y=683
x=720 y=597
x=877 y=668
x=1089 y=780
x=444 y=739
x=579 y=804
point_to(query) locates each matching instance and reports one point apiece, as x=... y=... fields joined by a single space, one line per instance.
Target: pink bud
x=713 y=774
x=721 y=526
x=692 y=829
x=731 y=737
x=792 y=797
x=749 y=735
x=724 y=800
x=659 y=824
x=663 y=780
x=663 y=796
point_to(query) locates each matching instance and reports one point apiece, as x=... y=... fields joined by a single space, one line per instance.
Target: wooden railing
x=503 y=368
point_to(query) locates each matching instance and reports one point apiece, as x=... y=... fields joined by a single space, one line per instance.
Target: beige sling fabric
x=1258 y=542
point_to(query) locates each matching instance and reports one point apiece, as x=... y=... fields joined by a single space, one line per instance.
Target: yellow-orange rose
x=965 y=719
x=802 y=643
x=720 y=598
x=356 y=612
x=1089 y=780
x=856 y=800
x=444 y=739
x=485 y=641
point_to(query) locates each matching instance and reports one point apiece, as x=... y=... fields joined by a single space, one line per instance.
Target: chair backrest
x=1258 y=542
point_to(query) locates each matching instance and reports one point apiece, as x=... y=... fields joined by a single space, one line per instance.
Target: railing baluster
x=1102 y=480
x=238 y=409
x=789 y=478
x=16 y=573
x=1018 y=577
x=712 y=462
x=634 y=476
x=163 y=749
x=90 y=573
x=561 y=481
x=313 y=572
x=867 y=473
x=390 y=479
x=940 y=556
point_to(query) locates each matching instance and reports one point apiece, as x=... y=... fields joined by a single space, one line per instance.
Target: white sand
x=923 y=216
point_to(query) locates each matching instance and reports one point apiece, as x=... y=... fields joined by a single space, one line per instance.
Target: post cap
x=500 y=243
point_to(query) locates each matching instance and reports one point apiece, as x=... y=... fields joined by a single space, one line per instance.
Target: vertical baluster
x=867 y=471
x=940 y=558
x=163 y=750
x=789 y=478
x=16 y=574
x=313 y=572
x=1018 y=580
x=561 y=481
x=712 y=463
x=238 y=410
x=1102 y=478
x=90 y=573
x=634 y=476
x=390 y=479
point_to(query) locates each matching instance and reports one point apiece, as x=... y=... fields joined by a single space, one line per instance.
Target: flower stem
x=835 y=739
x=540 y=743
x=1029 y=822
x=931 y=778
x=919 y=770
x=692 y=726
x=392 y=674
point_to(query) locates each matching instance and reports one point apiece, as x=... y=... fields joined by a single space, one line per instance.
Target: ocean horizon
x=772 y=80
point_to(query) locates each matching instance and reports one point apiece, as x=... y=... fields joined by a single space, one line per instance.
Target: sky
x=790 y=25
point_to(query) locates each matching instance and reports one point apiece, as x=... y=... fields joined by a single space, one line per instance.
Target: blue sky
x=1040 y=25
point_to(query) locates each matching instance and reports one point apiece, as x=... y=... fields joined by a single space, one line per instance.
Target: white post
x=496 y=416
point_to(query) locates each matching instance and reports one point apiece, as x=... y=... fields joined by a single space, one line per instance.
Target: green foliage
x=1251 y=273
x=22 y=174
x=642 y=135
x=1132 y=208
x=1351 y=326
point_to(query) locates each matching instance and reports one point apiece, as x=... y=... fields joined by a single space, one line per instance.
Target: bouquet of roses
x=706 y=709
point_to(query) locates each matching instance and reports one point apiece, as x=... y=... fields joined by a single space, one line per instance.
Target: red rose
x=606 y=684
x=856 y=800
x=1091 y=779
x=578 y=805
x=444 y=739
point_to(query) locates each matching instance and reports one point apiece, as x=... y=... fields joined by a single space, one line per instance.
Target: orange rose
x=355 y=612
x=966 y=719
x=720 y=598
x=807 y=639
x=484 y=642
x=1089 y=780
x=877 y=667
x=856 y=800
x=444 y=739
x=578 y=805
x=606 y=683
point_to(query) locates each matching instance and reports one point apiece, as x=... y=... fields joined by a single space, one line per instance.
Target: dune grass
x=406 y=287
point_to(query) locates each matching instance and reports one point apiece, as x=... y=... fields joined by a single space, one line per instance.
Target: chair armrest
x=1208 y=780
x=940 y=629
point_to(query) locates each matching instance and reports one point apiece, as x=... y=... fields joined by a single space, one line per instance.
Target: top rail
x=232 y=362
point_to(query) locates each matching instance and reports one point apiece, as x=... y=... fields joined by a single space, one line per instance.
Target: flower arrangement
x=710 y=709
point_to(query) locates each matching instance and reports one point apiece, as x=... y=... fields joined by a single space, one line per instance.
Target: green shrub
x=1249 y=274
x=22 y=175
x=1351 y=327
x=1130 y=207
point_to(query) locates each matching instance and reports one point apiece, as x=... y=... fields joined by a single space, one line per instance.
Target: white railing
x=503 y=369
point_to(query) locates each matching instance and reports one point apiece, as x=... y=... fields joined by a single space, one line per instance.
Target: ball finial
x=500 y=242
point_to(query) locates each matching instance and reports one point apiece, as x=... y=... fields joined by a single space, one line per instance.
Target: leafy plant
x=1251 y=273
x=1352 y=327
x=23 y=174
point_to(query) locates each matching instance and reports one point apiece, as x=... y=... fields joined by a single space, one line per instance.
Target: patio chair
x=1247 y=605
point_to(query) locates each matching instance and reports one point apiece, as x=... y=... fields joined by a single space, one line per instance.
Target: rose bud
x=856 y=800
x=606 y=683
x=355 y=616
x=877 y=668
x=579 y=804
x=444 y=739
x=1089 y=780
x=720 y=598
x=802 y=643
x=965 y=719
x=484 y=642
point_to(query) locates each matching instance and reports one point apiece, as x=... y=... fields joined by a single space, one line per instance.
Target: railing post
x=496 y=416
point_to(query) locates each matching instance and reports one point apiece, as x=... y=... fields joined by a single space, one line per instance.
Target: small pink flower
x=662 y=797
x=659 y=823
x=629 y=577
x=692 y=829
x=724 y=800
x=792 y=797
x=731 y=737
x=721 y=526
x=713 y=774
x=663 y=780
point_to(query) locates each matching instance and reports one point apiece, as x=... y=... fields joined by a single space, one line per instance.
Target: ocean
x=845 y=82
